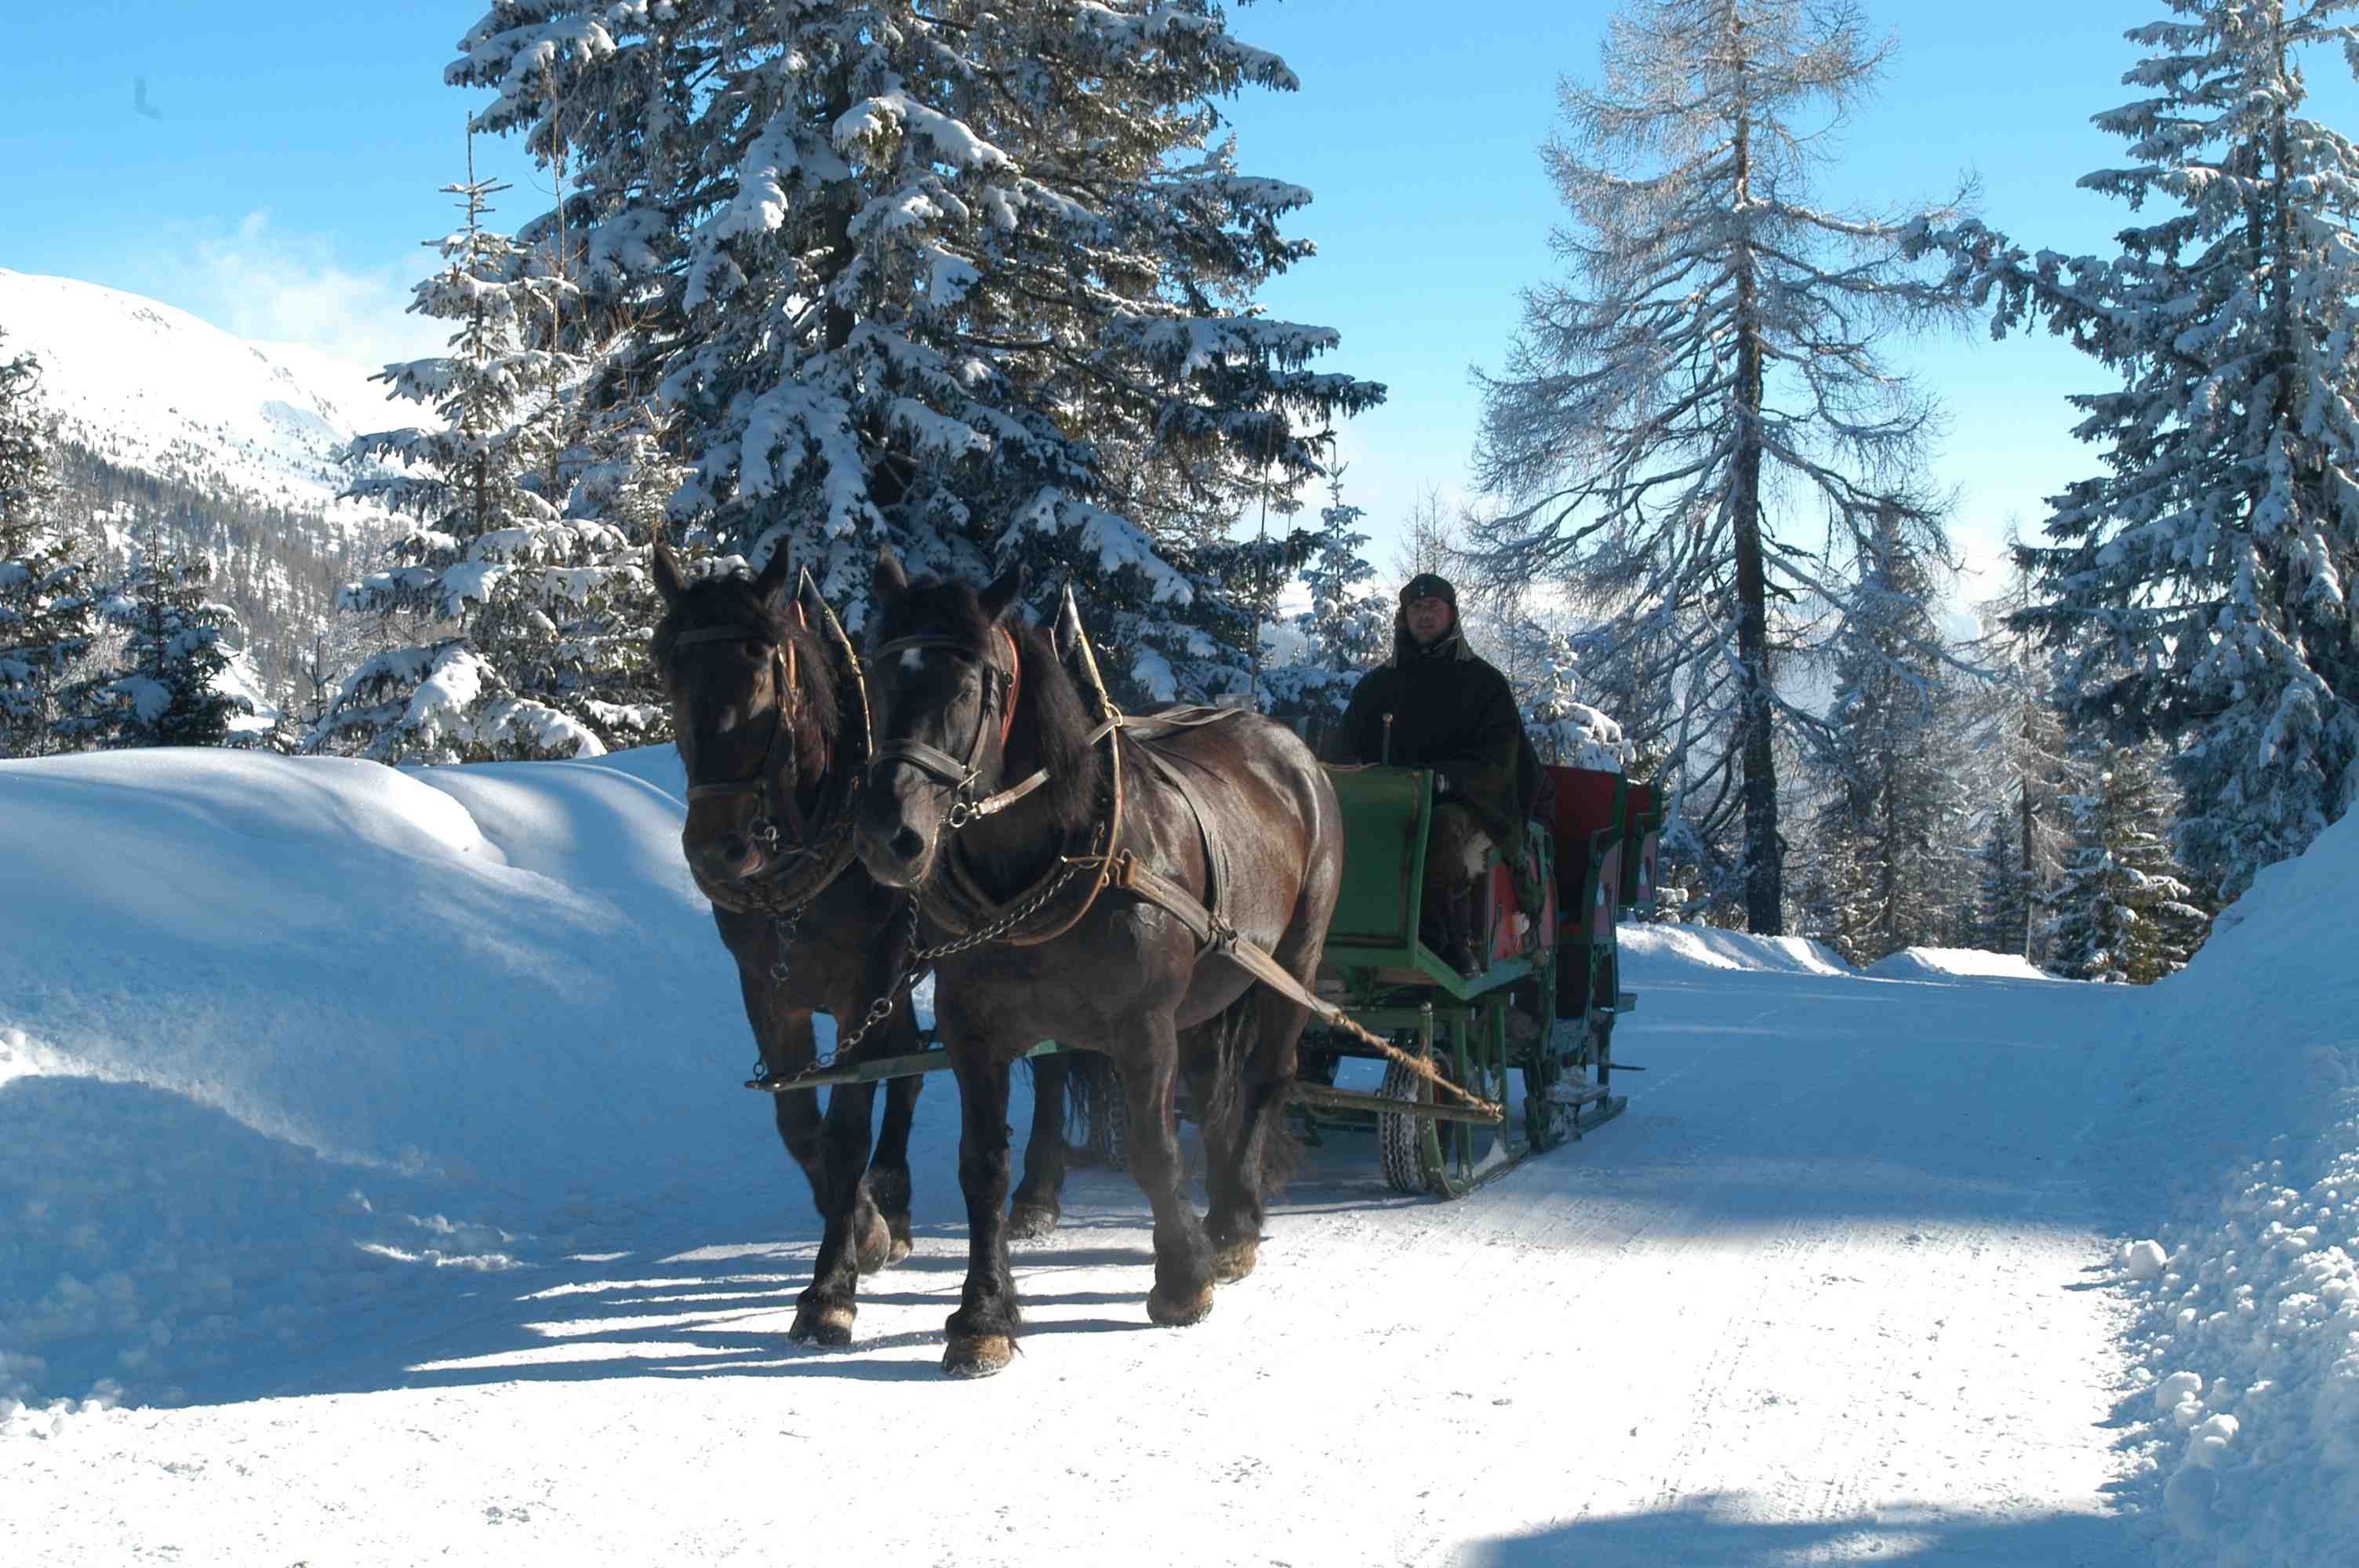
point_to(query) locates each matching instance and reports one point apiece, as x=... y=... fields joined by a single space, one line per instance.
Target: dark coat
x=1451 y=712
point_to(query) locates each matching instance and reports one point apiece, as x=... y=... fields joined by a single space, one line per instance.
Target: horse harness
x=964 y=903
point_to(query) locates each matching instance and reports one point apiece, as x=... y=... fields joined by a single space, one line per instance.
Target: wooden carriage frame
x=1597 y=858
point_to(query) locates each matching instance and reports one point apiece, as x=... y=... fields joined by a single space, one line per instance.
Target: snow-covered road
x=1833 y=1288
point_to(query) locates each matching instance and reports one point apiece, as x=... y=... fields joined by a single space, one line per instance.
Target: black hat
x=1428 y=585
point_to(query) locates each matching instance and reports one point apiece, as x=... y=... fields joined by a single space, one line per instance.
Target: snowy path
x=1831 y=1290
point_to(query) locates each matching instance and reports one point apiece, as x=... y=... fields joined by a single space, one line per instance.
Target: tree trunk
x=2023 y=856
x=1765 y=857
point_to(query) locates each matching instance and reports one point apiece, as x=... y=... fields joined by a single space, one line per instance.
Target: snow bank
x=1950 y=963
x=2250 y=1334
x=284 y=1041
x=1716 y=948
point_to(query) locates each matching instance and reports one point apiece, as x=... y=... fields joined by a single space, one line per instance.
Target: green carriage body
x=1533 y=1026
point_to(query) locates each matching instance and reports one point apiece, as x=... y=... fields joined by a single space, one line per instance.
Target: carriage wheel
x=1400 y=1138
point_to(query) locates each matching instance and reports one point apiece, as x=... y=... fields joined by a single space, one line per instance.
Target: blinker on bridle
x=1000 y=687
x=764 y=830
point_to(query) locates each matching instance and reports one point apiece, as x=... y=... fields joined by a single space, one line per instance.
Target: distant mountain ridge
x=175 y=435
x=146 y=386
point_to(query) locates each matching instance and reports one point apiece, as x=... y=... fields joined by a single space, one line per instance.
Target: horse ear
x=890 y=582
x=776 y=573
x=669 y=582
x=1002 y=595
x=1068 y=624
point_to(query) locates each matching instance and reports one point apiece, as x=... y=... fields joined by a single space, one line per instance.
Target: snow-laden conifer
x=46 y=618
x=971 y=279
x=165 y=685
x=474 y=581
x=1889 y=755
x=2021 y=765
x=1677 y=418
x=2122 y=912
x=2203 y=580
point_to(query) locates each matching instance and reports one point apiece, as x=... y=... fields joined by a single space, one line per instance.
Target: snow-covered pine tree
x=46 y=618
x=1644 y=417
x=1888 y=754
x=1349 y=625
x=165 y=686
x=2023 y=761
x=2203 y=580
x=2003 y=903
x=2122 y=913
x=475 y=579
x=972 y=280
x=1345 y=630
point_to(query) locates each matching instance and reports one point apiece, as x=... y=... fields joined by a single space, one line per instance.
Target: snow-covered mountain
x=150 y=387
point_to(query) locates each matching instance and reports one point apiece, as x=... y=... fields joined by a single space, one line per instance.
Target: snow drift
x=281 y=1039
x=2247 y=1100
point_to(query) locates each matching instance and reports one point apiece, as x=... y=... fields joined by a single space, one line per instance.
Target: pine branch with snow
x=2201 y=584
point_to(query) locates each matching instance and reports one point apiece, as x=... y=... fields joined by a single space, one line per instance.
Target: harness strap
x=1215 y=866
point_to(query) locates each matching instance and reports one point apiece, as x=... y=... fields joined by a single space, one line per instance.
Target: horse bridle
x=764 y=830
x=1000 y=687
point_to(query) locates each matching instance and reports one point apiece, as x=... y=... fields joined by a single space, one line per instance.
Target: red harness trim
x=1015 y=687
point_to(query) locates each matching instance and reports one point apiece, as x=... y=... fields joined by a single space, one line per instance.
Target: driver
x=1447 y=710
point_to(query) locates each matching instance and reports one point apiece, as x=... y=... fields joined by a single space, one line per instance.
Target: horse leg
x=1183 y=1257
x=1035 y=1211
x=889 y=1169
x=1261 y=1151
x=982 y=1331
x=852 y=1229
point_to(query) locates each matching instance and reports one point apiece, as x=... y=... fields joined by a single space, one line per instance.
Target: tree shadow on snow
x=1705 y=1533
x=164 y=1247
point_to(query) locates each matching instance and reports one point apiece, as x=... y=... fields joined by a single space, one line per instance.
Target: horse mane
x=726 y=599
x=1052 y=723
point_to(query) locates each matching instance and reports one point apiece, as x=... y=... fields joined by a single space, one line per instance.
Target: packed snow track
x=1839 y=1286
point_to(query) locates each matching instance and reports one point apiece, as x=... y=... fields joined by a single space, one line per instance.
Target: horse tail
x=1227 y=1047
x=1095 y=1111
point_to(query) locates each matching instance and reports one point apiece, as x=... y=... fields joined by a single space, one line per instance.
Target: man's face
x=1428 y=619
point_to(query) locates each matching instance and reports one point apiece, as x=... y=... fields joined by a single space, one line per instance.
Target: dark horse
x=765 y=708
x=968 y=699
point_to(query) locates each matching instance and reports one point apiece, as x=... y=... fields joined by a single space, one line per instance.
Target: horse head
x=753 y=692
x=944 y=671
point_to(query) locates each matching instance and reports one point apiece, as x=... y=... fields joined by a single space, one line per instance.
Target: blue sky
x=284 y=191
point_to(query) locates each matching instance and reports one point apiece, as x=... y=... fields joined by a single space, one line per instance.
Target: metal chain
x=920 y=960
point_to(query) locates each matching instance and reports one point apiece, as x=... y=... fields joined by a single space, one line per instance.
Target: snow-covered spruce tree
x=2004 y=906
x=2122 y=912
x=165 y=688
x=46 y=618
x=1709 y=370
x=2022 y=760
x=2203 y=581
x=474 y=581
x=972 y=280
x=1888 y=756
x=1345 y=630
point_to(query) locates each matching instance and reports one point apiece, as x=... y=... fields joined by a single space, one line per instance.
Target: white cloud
x=273 y=286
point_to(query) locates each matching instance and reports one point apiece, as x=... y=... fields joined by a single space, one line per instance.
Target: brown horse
x=772 y=729
x=967 y=700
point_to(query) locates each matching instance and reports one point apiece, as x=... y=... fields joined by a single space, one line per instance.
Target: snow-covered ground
x=378 y=1187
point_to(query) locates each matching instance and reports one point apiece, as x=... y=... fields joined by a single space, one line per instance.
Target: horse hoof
x=899 y=1251
x=1234 y=1261
x=828 y=1326
x=1031 y=1221
x=977 y=1355
x=876 y=1247
x=1179 y=1311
